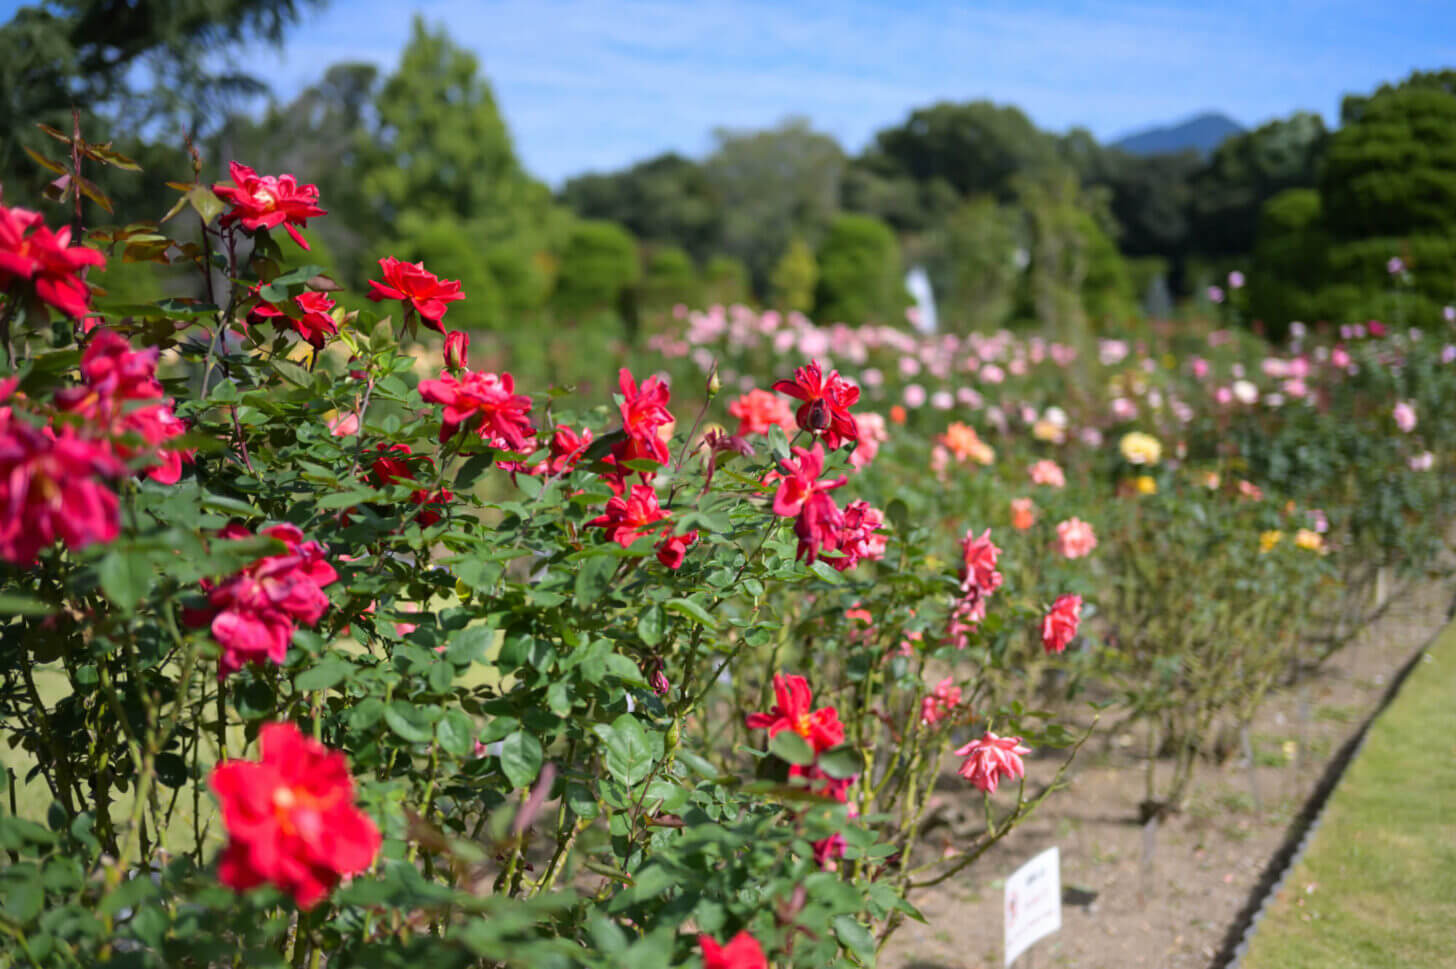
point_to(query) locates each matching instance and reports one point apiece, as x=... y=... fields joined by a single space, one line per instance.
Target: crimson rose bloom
x=940 y=702
x=644 y=414
x=978 y=562
x=743 y=952
x=268 y=201
x=818 y=527
x=821 y=728
x=1060 y=625
x=291 y=819
x=486 y=402
x=673 y=549
x=50 y=488
x=991 y=758
x=801 y=480
x=253 y=612
x=859 y=536
x=396 y=464
x=416 y=286
x=117 y=378
x=315 y=319
x=567 y=448
x=457 y=350
x=826 y=403
x=32 y=252
x=628 y=517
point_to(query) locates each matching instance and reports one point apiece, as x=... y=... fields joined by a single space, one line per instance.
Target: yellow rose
x=1139 y=448
x=1267 y=540
x=1311 y=540
x=1146 y=484
x=1045 y=430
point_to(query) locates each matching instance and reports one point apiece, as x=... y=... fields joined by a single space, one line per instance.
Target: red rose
x=416 y=286
x=1060 y=625
x=291 y=819
x=268 y=201
x=821 y=728
x=826 y=403
x=743 y=952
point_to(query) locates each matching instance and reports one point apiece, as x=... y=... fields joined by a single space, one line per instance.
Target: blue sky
x=588 y=85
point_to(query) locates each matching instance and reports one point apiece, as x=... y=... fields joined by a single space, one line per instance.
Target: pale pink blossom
x=1047 y=473
x=1075 y=538
x=940 y=702
x=1405 y=416
x=990 y=759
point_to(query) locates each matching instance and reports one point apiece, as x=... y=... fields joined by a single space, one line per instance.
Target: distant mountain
x=1202 y=133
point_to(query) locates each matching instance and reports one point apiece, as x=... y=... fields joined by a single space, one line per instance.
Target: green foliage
x=1246 y=171
x=442 y=148
x=771 y=186
x=669 y=278
x=860 y=277
x=83 y=54
x=664 y=200
x=1107 y=289
x=795 y=277
x=1291 y=260
x=598 y=263
x=1390 y=175
x=725 y=281
x=975 y=147
x=977 y=269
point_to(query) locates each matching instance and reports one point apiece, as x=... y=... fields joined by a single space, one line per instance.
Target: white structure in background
x=917 y=283
x=1033 y=902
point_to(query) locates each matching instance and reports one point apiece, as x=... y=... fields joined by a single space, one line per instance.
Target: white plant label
x=1033 y=902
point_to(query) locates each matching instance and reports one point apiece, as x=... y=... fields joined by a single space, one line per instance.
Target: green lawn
x=1383 y=864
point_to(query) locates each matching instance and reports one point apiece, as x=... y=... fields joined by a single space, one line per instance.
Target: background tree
x=795 y=277
x=1388 y=188
x=668 y=278
x=666 y=199
x=977 y=270
x=771 y=186
x=1245 y=171
x=1290 y=265
x=598 y=262
x=84 y=53
x=860 y=276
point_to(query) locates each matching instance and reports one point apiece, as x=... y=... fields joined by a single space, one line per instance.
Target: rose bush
x=309 y=658
x=324 y=646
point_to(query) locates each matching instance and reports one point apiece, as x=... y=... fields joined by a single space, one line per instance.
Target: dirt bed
x=1206 y=861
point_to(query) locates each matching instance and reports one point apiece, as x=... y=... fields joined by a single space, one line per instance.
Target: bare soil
x=1117 y=911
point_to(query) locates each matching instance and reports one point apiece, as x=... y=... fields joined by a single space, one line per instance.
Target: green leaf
x=691 y=609
x=593 y=577
x=841 y=762
x=855 y=937
x=899 y=515
x=293 y=373
x=629 y=754
x=204 y=202
x=125 y=577
x=324 y=675
x=650 y=625
x=520 y=758
x=456 y=733
x=347 y=499
x=472 y=469
x=400 y=717
x=789 y=746
x=828 y=573
x=14 y=604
